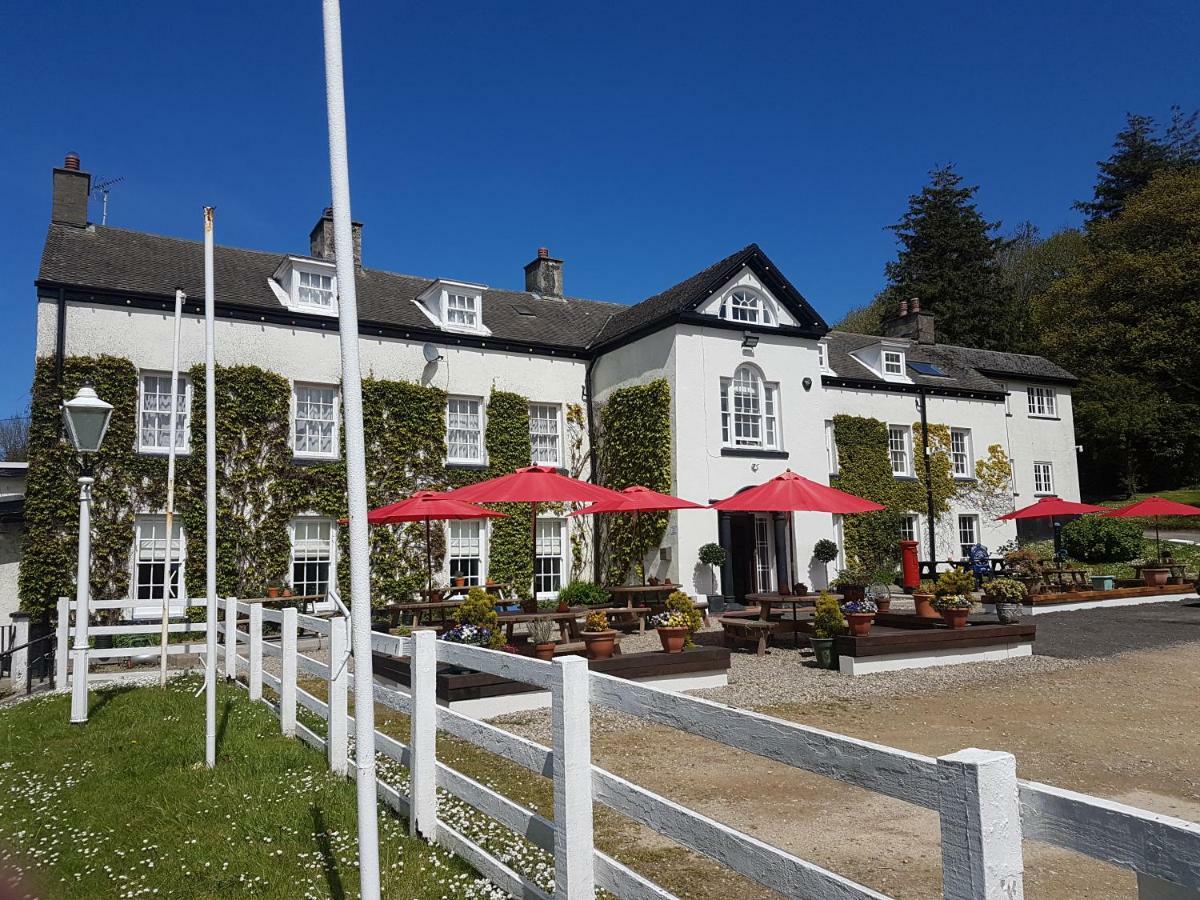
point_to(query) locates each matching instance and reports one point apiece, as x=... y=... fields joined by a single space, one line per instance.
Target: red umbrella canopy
x=638 y=499
x=792 y=492
x=1048 y=507
x=425 y=506
x=534 y=484
x=1154 y=506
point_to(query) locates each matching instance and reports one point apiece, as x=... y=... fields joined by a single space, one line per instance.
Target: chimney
x=320 y=239
x=71 y=190
x=544 y=275
x=911 y=323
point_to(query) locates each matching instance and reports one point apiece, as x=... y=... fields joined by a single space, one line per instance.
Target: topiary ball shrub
x=825 y=551
x=1101 y=539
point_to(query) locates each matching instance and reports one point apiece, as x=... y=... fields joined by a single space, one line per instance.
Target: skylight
x=924 y=368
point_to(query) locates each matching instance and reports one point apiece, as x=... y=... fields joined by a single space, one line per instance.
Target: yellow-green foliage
x=479 y=610
x=828 y=620
x=596 y=621
x=681 y=603
x=956 y=581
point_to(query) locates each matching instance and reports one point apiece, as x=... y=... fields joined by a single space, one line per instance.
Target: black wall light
x=807 y=382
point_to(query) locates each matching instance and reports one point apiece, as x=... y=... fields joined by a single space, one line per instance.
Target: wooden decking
x=1167 y=591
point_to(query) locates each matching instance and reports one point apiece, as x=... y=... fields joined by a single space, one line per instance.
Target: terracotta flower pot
x=860 y=623
x=955 y=618
x=562 y=607
x=544 y=651
x=272 y=593
x=924 y=604
x=460 y=582
x=673 y=638
x=1155 y=577
x=885 y=604
x=599 y=644
x=287 y=592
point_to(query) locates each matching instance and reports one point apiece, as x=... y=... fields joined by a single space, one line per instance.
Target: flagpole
x=210 y=500
x=166 y=611
x=356 y=467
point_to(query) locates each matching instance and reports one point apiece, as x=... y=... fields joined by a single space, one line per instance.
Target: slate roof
x=966 y=369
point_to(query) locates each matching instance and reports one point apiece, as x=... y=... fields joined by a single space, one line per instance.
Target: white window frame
x=544 y=527
x=545 y=413
x=764 y=552
x=823 y=356
x=910 y=522
x=749 y=404
x=1043 y=479
x=183 y=420
x=886 y=364
x=479 y=458
x=334 y=449
x=1043 y=402
x=746 y=306
x=464 y=535
x=973 y=521
x=962 y=461
x=302 y=293
x=330 y=545
x=467 y=309
x=905 y=434
x=149 y=533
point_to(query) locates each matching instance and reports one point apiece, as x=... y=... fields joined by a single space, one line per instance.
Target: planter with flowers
x=679 y=603
x=1007 y=594
x=860 y=614
x=599 y=640
x=541 y=635
x=475 y=622
x=923 y=600
x=954 y=608
x=673 y=629
x=828 y=623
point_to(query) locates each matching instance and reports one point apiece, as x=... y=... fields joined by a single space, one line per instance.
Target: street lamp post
x=86 y=418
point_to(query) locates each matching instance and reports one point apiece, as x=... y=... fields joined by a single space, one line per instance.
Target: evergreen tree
x=947 y=258
x=1139 y=152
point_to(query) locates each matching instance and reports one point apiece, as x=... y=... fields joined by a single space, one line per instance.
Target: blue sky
x=640 y=142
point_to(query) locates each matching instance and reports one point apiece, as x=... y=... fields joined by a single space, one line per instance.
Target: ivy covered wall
x=634 y=447
x=260 y=486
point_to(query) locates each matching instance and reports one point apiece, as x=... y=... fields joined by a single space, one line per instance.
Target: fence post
x=571 y=719
x=231 y=640
x=422 y=740
x=1151 y=888
x=981 y=826
x=62 y=651
x=339 y=680
x=287 y=674
x=18 y=669
x=255 y=651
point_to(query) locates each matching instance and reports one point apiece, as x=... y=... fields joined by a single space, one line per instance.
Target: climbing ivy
x=634 y=448
x=510 y=548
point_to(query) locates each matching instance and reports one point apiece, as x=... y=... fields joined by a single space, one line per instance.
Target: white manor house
x=756 y=378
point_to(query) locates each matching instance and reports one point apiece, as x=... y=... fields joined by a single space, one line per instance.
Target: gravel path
x=1094 y=633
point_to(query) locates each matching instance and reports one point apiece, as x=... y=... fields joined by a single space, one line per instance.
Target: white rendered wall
x=12 y=537
x=1042 y=440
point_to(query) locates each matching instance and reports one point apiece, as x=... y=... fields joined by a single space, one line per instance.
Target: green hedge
x=1101 y=539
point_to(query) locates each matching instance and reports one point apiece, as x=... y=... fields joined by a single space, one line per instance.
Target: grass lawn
x=123 y=807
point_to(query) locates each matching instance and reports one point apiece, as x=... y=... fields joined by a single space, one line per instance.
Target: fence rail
x=984 y=810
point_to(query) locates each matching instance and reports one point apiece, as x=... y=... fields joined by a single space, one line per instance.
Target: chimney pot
x=544 y=275
x=915 y=305
x=72 y=161
x=903 y=308
x=543 y=252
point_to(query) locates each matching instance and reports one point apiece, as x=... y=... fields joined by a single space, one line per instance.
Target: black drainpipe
x=928 y=478
x=592 y=460
x=60 y=340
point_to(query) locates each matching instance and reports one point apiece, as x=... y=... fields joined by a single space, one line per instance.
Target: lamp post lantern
x=86 y=418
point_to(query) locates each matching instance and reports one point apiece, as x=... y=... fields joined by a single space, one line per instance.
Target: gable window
x=1041 y=402
x=461 y=310
x=464 y=431
x=749 y=416
x=893 y=362
x=899 y=447
x=968 y=533
x=544 y=441
x=150 y=558
x=746 y=306
x=312 y=555
x=464 y=550
x=154 y=418
x=960 y=453
x=315 y=421
x=550 y=544
x=314 y=290
x=1043 y=478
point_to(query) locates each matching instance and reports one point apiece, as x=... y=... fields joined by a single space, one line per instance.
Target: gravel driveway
x=1092 y=633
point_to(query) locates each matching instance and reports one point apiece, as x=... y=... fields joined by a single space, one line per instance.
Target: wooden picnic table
x=1064 y=575
x=396 y=610
x=767 y=602
x=567 y=621
x=631 y=592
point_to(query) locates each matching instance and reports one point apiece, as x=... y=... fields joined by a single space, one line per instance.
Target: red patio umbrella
x=1154 y=507
x=790 y=492
x=534 y=485
x=637 y=499
x=428 y=506
x=1052 y=508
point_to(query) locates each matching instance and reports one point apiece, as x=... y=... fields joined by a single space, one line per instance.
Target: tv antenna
x=103 y=188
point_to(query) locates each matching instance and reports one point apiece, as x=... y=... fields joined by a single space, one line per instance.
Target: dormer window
x=893 y=362
x=314 y=290
x=454 y=306
x=306 y=285
x=746 y=307
x=886 y=359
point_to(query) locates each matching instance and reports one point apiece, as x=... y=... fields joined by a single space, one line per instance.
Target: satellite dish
x=431 y=353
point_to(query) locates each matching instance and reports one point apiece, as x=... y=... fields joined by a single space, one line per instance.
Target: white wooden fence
x=985 y=810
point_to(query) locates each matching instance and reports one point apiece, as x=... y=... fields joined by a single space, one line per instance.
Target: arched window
x=749 y=410
x=744 y=305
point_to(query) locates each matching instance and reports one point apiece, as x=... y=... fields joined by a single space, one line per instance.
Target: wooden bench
x=747 y=631
x=626 y=616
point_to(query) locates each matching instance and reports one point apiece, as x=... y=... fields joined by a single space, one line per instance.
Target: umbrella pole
x=533 y=550
x=428 y=563
x=1157 y=541
x=637 y=543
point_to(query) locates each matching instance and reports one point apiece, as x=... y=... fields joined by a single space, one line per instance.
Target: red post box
x=910 y=570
